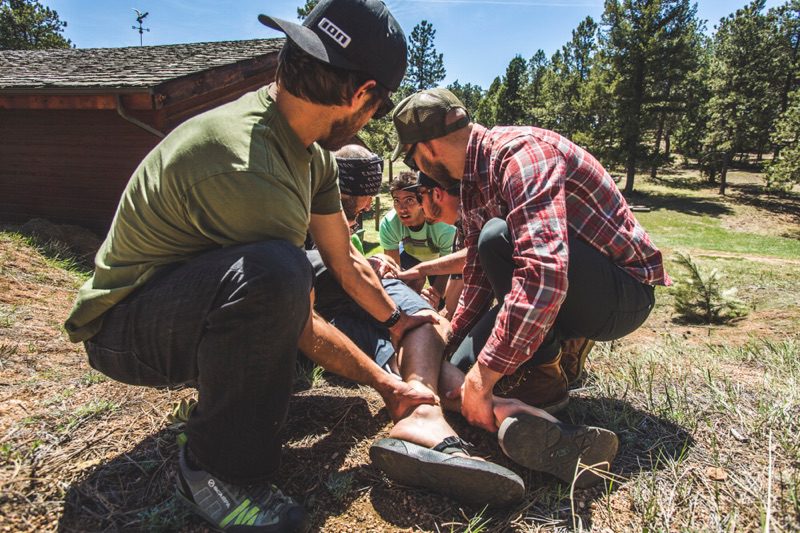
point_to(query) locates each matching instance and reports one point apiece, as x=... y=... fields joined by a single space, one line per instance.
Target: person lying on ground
x=423 y=449
x=415 y=359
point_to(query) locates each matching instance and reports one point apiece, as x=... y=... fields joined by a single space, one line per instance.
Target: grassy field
x=708 y=416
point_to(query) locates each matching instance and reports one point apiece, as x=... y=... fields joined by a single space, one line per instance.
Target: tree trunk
x=657 y=146
x=629 y=174
x=667 y=145
x=723 y=175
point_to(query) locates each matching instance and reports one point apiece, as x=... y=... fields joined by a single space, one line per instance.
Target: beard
x=343 y=130
x=434 y=211
x=350 y=208
x=439 y=173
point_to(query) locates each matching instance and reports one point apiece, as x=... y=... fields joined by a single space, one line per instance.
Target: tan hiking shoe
x=573 y=358
x=543 y=386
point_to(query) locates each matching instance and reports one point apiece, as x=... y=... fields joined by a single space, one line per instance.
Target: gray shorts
x=367 y=333
x=339 y=309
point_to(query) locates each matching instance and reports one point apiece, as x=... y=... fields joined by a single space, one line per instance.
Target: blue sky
x=477 y=37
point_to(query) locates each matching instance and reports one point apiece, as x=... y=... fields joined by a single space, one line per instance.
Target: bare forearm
x=334 y=351
x=449 y=264
x=330 y=348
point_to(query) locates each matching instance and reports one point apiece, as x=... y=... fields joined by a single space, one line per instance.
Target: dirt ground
x=81 y=453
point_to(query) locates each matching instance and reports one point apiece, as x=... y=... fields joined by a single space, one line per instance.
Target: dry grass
x=708 y=420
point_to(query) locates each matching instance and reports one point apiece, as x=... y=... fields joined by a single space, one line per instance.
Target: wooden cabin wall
x=68 y=166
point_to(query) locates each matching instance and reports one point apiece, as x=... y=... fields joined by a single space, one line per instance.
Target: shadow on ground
x=785 y=203
x=135 y=490
x=646 y=442
x=681 y=203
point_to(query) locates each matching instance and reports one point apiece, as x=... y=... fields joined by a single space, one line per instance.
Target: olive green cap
x=422 y=116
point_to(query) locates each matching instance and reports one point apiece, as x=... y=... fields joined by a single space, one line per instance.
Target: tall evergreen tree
x=28 y=25
x=784 y=171
x=786 y=58
x=566 y=81
x=425 y=64
x=743 y=99
x=690 y=126
x=537 y=67
x=642 y=40
x=680 y=43
x=487 y=109
x=511 y=101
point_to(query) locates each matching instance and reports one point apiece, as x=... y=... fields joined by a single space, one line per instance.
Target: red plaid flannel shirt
x=546 y=188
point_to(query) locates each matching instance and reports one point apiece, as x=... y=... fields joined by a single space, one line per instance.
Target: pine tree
x=743 y=99
x=786 y=58
x=565 y=82
x=511 y=101
x=28 y=25
x=487 y=109
x=425 y=64
x=701 y=298
x=642 y=41
x=537 y=67
x=784 y=171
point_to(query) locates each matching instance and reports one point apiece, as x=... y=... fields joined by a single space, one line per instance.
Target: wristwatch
x=393 y=319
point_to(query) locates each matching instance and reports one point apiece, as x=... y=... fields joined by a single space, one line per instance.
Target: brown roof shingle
x=120 y=68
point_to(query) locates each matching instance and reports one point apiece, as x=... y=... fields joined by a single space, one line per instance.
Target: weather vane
x=139 y=18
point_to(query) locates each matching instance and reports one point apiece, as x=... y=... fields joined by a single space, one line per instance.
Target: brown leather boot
x=543 y=386
x=573 y=358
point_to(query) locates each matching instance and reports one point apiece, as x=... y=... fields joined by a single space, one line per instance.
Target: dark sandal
x=464 y=479
x=556 y=447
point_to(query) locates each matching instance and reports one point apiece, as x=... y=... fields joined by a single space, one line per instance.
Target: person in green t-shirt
x=408 y=238
x=202 y=279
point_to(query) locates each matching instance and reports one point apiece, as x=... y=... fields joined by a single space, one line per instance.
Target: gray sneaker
x=229 y=507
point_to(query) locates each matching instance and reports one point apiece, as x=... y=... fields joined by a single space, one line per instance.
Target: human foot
x=425 y=426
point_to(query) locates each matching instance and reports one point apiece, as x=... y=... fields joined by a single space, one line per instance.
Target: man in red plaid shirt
x=549 y=237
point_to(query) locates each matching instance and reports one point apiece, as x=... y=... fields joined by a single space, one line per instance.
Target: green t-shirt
x=430 y=242
x=233 y=175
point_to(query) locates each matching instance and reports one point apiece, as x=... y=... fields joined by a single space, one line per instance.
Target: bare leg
x=419 y=367
x=327 y=346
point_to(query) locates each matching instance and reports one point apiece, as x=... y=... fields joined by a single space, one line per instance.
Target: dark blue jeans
x=227 y=322
x=603 y=302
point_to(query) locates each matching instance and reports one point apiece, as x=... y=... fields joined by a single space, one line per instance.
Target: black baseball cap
x=423 y=116
x=359 y=35
x=423 y=180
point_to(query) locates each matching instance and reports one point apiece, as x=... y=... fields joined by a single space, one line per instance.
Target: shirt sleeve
x=532 y=179
x=326 y=198
x=388 y=235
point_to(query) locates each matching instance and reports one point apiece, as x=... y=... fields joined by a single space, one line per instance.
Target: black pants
x=603 y=302
x=227 y=322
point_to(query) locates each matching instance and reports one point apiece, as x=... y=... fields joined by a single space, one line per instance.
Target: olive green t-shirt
x=233 y=175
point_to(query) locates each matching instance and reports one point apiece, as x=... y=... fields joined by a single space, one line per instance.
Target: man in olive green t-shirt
x=202 y=278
